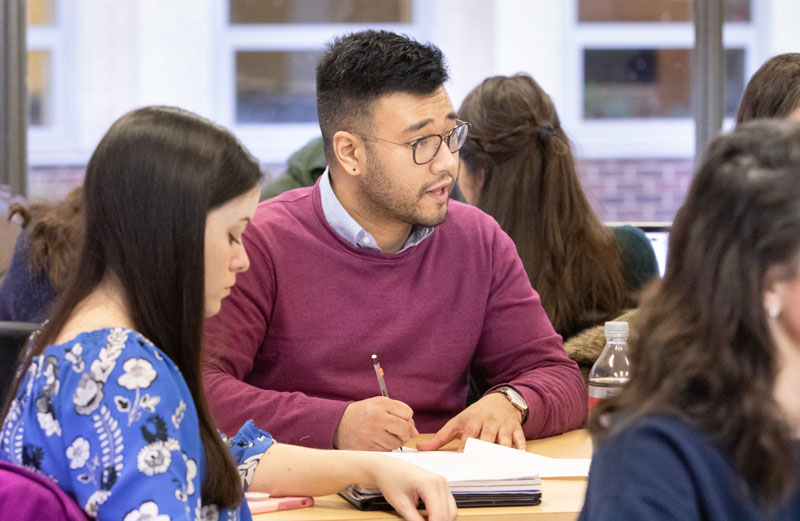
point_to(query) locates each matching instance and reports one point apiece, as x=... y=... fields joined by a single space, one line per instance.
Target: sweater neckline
x=316 y=202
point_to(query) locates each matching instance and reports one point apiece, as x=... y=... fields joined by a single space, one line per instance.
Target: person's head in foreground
x=390 y=132
x=773 y=91
x=717 y=350
x=517 y=166
x=167 y=195
x=123 y=425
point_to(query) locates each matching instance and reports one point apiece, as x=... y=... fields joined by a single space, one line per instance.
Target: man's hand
x=492 y=418
x=375 y=424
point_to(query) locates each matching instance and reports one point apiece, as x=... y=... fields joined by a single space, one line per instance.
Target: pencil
x=379 y=374
x=381 y=383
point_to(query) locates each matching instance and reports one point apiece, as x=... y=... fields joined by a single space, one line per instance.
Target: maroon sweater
x=291 y=346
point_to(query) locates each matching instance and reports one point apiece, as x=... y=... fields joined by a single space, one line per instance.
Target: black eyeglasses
x=425 y=148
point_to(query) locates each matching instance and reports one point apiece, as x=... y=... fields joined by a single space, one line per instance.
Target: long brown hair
x=703 y=349
x=531 y=188
x=56 y=234
x=149 y=186
x=773 y=91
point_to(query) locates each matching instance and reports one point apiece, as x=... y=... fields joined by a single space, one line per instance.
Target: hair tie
x=546 y=132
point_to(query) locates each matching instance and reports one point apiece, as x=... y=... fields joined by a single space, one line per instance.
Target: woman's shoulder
x=656 y=428
x=638 y=257
x=93 y=363
x=667 y=448
x=632 y=241
x=662 y=467
x=106 y=344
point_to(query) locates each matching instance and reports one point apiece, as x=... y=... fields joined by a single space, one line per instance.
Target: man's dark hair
x=361 y=67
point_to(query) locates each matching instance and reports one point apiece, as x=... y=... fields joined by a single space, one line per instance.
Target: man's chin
x=434 y=219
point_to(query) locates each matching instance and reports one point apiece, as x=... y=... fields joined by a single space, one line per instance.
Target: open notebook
x=485 y=474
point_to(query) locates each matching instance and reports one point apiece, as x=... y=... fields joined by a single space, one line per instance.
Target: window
x=316 y=12
x=649 y=83
x=631 y=74
x=267 y=63
x=48 y=110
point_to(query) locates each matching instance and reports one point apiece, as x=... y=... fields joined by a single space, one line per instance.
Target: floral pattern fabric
x=109 y=417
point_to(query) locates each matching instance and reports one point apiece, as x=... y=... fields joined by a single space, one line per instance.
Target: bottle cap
x=616 y=329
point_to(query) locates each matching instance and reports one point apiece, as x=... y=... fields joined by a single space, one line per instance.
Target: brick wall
x=619 y=189
x=636 y=189
x=53 y=183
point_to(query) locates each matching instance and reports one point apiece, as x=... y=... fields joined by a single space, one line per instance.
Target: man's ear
x=350 y=152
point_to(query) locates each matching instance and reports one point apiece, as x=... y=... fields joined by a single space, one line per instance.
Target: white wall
x=780 y=32
x=126 y=54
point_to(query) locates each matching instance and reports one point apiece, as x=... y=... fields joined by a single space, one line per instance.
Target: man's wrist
x=515 y=399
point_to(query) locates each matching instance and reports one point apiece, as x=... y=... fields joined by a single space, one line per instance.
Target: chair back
x=26 y=495
x=13 y=337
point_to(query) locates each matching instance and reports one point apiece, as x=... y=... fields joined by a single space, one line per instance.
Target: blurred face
x=394 y=188
x=795 y=115
x=224 y=251
x=784 y=300
x=785 y=295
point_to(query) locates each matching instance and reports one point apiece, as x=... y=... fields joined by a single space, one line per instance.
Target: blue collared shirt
x=347 y=227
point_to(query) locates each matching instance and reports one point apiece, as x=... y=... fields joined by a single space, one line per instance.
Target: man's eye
x=425 y=142
x=233 y=239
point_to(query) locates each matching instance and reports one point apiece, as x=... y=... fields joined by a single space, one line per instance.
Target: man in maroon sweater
x=374 y=259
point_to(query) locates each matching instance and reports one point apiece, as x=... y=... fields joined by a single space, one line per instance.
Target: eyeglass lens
x=425 y=149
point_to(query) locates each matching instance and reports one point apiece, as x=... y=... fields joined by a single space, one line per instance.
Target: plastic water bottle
x=611 y=370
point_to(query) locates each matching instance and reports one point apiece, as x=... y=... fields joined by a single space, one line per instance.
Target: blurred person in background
x=45 y=255
x=517 y=166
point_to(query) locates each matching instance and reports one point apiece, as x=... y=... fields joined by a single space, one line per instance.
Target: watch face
x=515 y=398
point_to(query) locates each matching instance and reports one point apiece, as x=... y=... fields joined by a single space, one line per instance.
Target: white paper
x=545 y=466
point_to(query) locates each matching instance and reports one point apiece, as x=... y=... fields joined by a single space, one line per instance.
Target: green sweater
x=302 y=169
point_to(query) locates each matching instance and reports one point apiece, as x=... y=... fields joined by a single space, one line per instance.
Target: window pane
x=276 y=87
x=649 y=83
x=316 y=11
x=39 y=94
x=653 y=11
x=40 y=12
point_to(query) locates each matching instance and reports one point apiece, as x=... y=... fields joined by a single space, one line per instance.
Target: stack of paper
x=485 y=474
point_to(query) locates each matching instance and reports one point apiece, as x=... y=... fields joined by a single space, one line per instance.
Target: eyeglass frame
x=413 y=145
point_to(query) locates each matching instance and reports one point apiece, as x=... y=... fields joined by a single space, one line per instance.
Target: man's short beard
x=390 y=202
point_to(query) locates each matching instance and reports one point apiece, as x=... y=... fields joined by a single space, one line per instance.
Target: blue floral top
x=109 y=417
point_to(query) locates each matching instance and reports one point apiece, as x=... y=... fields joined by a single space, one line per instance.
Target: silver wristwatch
x=516 y=400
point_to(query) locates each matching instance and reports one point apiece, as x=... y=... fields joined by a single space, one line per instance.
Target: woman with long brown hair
x=109 y=400
x=517 y=166
x=708 y=426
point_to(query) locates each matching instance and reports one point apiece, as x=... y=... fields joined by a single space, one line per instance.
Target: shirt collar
x=347 y=227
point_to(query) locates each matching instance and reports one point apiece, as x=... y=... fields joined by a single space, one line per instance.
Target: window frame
x=640 y=137
x=274 y=142
x=56 y=143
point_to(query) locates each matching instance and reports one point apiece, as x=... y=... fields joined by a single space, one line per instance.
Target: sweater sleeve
x=520 y=348
x=235 y=340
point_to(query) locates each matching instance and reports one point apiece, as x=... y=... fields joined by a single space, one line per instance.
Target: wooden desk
x=562 y=499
